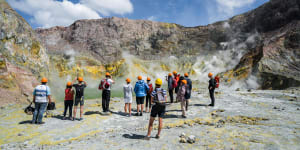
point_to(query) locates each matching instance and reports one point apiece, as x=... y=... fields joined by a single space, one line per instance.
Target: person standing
x=69 y=100
x=105 y=86
x=128 y=90
x=159 y=99
x=176 y=77
x=140 y=89
x=148 y=97
x=41 y=97
x=181 y=96
x=188 y=90
x=79 y=96
x=171 y=85
x=211 y=88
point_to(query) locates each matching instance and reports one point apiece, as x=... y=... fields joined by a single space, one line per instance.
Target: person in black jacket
x=211 y=88
x=188 y=90
x=170 y=86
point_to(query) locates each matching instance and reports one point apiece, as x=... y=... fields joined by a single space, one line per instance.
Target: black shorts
x=79 y=100
x=158 y=109
x=140 y=100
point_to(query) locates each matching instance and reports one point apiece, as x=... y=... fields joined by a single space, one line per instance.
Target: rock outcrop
x=22 y=58
x=273 y=54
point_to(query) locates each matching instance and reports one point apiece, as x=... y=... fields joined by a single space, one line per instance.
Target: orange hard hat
x=148 y=78
x=210 y=74
x=186 y=74
x=107 y=74
x=69 y=84
x=184 y=81
x=174 y=72
x=44 y=80
x=140 y=78
x=170 y=74
x=128 y=80
x=80 y=79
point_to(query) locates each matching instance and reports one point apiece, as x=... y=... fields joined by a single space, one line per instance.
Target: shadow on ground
x=171 y=116
x=200 y=105
x=133 y=136
x=92 y=113
x=25 y=122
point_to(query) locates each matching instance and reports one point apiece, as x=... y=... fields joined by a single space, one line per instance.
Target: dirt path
x=240 y=120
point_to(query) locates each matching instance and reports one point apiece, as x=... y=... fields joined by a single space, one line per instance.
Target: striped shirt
x=41 y=92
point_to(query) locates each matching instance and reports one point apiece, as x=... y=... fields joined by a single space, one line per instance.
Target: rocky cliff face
x=268 y=36
x=22 y=58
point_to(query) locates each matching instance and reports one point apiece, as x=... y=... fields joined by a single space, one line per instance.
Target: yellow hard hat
x=158 y=81
x=140 y=78
x=210 y=74
x=128 y=80
x=69 y=84
x=80 y=79
x=44 y=80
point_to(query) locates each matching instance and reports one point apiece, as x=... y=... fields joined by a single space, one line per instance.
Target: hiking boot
x=80 y=119
x=147 y=138
x=183 y=116
x=141 y=114
x=64 y=118
x=137 y=114
x=157 y=136
x=41 y=123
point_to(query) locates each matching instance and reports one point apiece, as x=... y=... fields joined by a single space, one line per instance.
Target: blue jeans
x=38 y=112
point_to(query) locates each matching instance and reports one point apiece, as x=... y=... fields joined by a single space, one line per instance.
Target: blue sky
x=48 y=13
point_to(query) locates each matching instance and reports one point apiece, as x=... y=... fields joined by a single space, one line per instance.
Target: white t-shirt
x=110 y=81
x=41 y=92
x=128 y=90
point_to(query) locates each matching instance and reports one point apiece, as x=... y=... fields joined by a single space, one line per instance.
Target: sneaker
x=64 y=118
x=80 y=119
x=157 y=136
x=183 y=116
x=137 y=114
x=147 y=138
x=141 y=114
x=71 y=118
x=41 y=123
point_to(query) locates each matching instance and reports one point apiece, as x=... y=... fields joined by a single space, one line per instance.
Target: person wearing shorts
x=128 y=90
x=79 y=96
x=159 y=99
x=141 y=88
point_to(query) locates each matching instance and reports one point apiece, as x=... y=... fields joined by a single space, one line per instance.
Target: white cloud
x=228 y=6
x=152 y=18
x=108 y=7
x=48 y=13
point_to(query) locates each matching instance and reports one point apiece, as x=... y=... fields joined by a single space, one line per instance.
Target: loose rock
x=191 y=139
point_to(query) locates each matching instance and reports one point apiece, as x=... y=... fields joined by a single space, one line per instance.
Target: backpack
x=104 y=84
x=217 y=81
x=174 y=83
x=160 y=96
x=150 y=88
x=51 y=106
x=29 y=109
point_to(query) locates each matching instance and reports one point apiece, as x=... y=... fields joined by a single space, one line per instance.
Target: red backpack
x=103 y=84
x=150 y=88
x=217 y=80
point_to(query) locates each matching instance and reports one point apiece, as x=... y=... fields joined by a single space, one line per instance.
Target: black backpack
x=29 y=109
x=51 y=106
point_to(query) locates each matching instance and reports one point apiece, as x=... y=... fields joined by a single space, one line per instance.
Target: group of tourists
x=156 y=96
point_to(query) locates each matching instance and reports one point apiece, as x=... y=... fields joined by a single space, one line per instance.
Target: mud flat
x=240 y=120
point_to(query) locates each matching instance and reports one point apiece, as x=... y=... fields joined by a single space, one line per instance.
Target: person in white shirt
x=128 y=90
x=41 y=97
